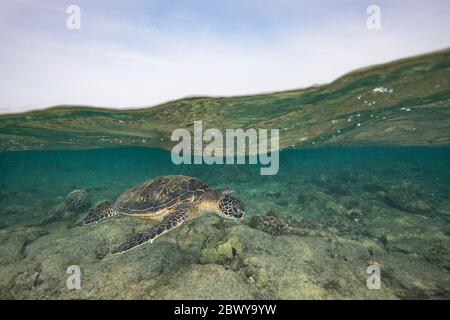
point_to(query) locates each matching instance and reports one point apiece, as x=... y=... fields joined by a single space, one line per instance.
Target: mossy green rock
x=226 y=249
x=262 y=280
x=408 y=196
x=253 y=261
x=381 y=195
x=78 y=201
x=209 y=255
x=235 y=244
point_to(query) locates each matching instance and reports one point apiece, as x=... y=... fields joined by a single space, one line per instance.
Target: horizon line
x=193 y=97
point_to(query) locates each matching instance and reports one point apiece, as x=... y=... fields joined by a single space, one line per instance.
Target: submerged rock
x=13 y=243
x=230 y=248
x=255 y=274
x=276 y=225
x=408 y=196
x=227 y=250
x=206 y=282
x=235 y=245
x=78 y=200
x=314 y=200
x=262 y=278
x=253 y=261
x=270 y=223
x=209 y=255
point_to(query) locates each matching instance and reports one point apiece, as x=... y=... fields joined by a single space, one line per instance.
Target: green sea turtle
x=170 y=200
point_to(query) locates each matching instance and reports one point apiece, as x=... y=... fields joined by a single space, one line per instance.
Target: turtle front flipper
x=175 y=219
x=103 y=211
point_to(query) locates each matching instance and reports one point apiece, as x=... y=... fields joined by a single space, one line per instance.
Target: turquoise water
x=332 y=213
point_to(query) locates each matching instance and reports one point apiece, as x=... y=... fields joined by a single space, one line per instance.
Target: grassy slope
x=316 y=116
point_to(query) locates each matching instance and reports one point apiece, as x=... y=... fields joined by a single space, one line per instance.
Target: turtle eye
x=232 y=207
x=238 y=213
x=238 y=209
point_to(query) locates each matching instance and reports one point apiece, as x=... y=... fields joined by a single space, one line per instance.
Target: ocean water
x=316 y=230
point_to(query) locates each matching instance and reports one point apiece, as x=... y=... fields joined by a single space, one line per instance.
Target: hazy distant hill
x=404 y=102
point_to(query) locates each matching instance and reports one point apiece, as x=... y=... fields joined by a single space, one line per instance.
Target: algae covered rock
x=262 y=279
x=270 y=223
x=13 y=243
x=230 y=248
x=227 y=250
x=206 y=282
x=235 y=245
x=78 y=201
x=253 y=261
x=209 y=255
x=255 y=273
x=408 y=196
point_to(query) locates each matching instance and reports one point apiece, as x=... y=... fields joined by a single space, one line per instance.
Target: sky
x=134 y=53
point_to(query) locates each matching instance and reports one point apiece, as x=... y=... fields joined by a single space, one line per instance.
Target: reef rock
x=78 y=201
x=271 y=223
x=206 y=282
x=408 y=197
x=13 y=243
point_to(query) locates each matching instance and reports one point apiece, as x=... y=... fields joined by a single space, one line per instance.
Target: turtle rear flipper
x=102 y=211
x=175 y=219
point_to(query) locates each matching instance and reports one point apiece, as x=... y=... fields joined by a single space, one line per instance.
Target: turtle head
x=231 y=207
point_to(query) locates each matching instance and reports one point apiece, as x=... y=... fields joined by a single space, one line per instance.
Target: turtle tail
x=103 y=211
